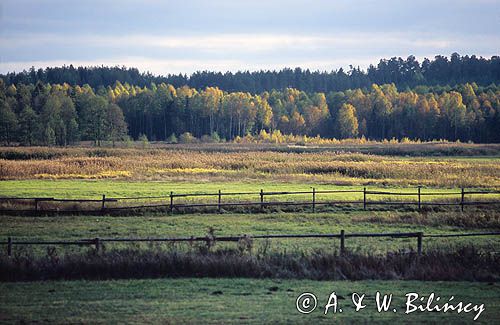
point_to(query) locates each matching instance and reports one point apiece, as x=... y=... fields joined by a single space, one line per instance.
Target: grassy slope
x=238 y=301
x=234 y=224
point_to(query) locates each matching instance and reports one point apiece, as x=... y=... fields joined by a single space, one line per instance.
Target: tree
x=347 y=122
x=400 y=71
x=264 y=113
x=210 y=102
x=381 y=112
x=453 y=111
x=68 y=118
x=96 y=118
x=8 y=122
x=60 y=114
x=115 y=126
x=297 y=123
x=50 y=120
x=27 y=126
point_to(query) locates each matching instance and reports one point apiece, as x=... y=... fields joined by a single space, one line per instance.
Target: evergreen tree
x=8 y=122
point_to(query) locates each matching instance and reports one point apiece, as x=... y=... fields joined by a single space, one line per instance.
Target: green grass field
x=116 y=188
x=229 y=301
x=257 y=301
x=158 y=225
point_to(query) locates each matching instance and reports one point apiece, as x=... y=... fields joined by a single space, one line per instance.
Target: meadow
x=159 y=225
x=228 y=301
x=136 y=172
x=227 y=163
x=87 y=172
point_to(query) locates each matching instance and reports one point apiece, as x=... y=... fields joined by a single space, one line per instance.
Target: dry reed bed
x=463 y=264
x=324 y=167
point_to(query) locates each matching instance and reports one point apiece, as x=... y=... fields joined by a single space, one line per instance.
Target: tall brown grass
x=330 y=167
x=465 y=263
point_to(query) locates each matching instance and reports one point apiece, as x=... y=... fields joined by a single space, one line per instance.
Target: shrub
x=215 y=137
x=172 y=138
x=144 y=141
x=206 y=139
x=187 y=137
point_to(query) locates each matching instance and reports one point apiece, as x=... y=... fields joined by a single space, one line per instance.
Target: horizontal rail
x=480 y=202
x=479 y=192
x=237 y=238
x=212 y=239
x=426 y=194
x=139 y=198
x=26 y=198
x=494 y=233
x=390 y=193
x=216 y=194
x=266 y=204
x=54 y=242
x=114 y=199
x=84 y=200
x=51 y=199
x=170 y=203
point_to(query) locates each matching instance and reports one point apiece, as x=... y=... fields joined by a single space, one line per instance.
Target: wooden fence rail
x=170 y=203
x=211 y=238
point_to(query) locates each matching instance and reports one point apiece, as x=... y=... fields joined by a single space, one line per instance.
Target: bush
x=206 y=139
x=144 y=140
x=127 y=142
x=187 y=137
x=215 y=137
x=172 y=138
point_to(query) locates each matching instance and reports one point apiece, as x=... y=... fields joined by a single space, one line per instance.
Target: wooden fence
x=170 y=202
x=212 y=239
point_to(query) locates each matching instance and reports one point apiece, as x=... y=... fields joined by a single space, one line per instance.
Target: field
x=84 y=172
x=230 y=164
x=228 y=301
x=158 y=225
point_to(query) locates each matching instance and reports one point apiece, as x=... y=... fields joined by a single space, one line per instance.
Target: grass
x=91 y=172
x=202 y=260
x=158 y=225
x=253 y=165
x=228 y=301
x=121 y=188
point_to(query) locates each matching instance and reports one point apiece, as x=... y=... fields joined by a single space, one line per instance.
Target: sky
x=185 y=36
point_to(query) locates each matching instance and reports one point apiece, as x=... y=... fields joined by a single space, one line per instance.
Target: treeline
x=62 y=114
x=404 y=73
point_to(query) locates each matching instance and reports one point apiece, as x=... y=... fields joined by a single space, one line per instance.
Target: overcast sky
x=189 y=35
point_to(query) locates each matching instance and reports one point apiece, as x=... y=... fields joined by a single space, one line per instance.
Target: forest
x=404 y=73
x=452 y=99
x=60 y=114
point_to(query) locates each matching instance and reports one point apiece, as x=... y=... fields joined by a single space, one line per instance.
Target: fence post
x=342 y=242
x=171 y=202
x=261 y=200
x=419 y=243
x=419 y=200
x=9 y=246
x=97 y=243
x=218 y=205
x=103 y=202
x=314 y=199
x=36 y=206
x=364 y=198
x=462 y=200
